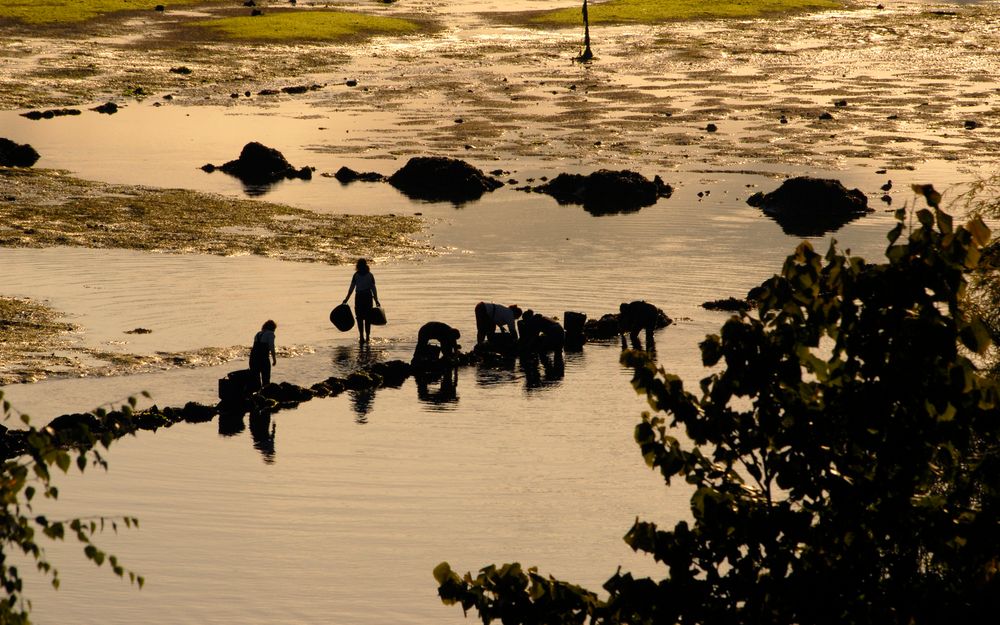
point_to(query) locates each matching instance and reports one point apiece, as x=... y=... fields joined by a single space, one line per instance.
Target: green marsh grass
x=70 y=11
x=308 y=25
x=652 y=11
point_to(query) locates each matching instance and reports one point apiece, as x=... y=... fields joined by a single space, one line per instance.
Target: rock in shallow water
x=259 y=164
x=439 y=178
x=606 y=191
x=810 y=207
x=17 y=154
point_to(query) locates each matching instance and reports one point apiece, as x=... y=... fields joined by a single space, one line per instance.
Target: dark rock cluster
x=810 y=207
x=605 y=191
x=439 y=178
x=346 y=175
x=14 y=154
x=108 y=108
x=261 y=165
x=50 y=113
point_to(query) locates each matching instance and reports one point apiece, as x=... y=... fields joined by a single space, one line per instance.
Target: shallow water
x=343 y=515
x=363 y=495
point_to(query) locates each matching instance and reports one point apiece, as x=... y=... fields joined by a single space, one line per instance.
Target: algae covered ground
x=44 y=208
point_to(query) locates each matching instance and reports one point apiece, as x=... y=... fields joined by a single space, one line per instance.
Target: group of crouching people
x=509 y=329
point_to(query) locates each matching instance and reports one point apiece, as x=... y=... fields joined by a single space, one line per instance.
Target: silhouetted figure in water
x=633 y=318
x=490 y=316
x=262 y=431
x=447 y=391
x=231 y=423
x=362 y=400
x=446 y=337
x=263 y=346
x=363 y=285
x=540 y=333
x=553 y=369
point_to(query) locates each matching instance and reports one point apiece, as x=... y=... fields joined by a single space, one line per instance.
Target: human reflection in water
x=262 y=430
x=231 y=423
x=347 y=360
x=542 y=369
x=361 y=401
x=446 y=391
x=353 y=358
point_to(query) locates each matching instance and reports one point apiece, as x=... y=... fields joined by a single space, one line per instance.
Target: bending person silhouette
x=540 y=333
x=446 y=337
x=490 y=316
x=633 y=318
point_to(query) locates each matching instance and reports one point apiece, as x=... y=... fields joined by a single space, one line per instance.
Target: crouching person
x=447 y=340
x=633 y=318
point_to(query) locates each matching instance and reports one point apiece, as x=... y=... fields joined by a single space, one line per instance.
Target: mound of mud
x=811 y=207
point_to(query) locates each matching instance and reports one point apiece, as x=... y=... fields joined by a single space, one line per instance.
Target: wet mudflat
x=337 y=511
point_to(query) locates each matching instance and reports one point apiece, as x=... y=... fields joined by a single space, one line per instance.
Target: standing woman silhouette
x=363 y=285
x=263 y=346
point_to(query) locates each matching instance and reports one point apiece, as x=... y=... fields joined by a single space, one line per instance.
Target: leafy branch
x=843 y=454
x=23 y=478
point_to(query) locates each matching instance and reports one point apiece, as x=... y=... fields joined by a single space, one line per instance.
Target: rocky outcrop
x=606 y=192
x=261 y=165
x=285 y=394
x=17 y=154
x=393 y=372
x=811 y=207
x=438 y=178
x=108 y=108
x=362 y=380
x=330 y=387
x=346 y=175
x=50 y=113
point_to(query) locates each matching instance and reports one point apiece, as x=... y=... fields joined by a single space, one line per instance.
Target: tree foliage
x=29 y=476
x=982 y=198
x=843 y=455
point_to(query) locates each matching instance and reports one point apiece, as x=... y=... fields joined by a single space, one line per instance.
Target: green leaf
x=979 y=230
x=932 y=197
x=443 y=573
x=63 y=461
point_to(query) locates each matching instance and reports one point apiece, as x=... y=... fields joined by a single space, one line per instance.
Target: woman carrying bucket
x=363 y=285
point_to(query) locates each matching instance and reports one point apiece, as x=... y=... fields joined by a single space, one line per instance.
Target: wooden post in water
x=587 y=54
